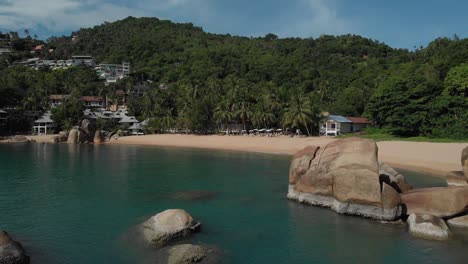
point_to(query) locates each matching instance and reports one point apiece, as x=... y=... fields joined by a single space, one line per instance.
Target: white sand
x=433 y=158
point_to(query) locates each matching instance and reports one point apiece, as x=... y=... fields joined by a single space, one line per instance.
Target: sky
x=399 y=23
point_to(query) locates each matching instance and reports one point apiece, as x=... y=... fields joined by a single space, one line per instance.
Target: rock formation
x=98 y=137
x=73 y=136
x=345 y=176
x=18 y=139
x=459 y=178
x=441 y=201
x=461 y=221
x=393 y=178
x=11 y=252
x=428 y=227
x=169 y=225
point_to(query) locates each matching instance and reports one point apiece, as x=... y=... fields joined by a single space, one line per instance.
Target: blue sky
x=399 y=23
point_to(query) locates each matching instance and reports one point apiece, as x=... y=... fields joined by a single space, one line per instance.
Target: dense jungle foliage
x=211 y=79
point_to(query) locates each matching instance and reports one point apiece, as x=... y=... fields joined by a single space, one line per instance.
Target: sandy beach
x=432 y=158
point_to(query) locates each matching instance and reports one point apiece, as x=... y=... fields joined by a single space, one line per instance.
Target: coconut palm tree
x=299 y=113
x=223 y=113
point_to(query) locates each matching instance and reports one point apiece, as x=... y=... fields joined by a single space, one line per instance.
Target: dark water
x=74 y=204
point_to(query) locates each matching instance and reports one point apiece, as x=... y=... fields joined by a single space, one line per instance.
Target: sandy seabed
x=432 y=158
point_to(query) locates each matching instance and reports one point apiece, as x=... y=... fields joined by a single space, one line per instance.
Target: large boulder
x=393 y=178
x=98 y=139
x=86 y=127
x=456 y=178
x=461 y=221
x=169 y=225
x=464 y=161
x=428 y=227
x=73 y=136
x=439 y=201
x=11 y=252
x=343 y=175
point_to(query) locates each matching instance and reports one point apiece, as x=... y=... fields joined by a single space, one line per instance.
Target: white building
x=44 y=125
x=334 y=125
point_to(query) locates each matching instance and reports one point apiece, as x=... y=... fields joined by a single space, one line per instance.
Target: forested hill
x=422 y=92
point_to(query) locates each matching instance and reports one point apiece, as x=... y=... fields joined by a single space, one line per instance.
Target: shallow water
x=75 y=204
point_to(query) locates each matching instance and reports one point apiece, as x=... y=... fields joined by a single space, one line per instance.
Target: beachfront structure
x=93 y=101
x=113 y=72
x=138 y=129
x=44 y=125
x=3 y=118
x=333 y=125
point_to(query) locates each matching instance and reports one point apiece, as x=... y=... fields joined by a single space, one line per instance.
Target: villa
x=113 y=72
x=333 y=125
x=44 y=125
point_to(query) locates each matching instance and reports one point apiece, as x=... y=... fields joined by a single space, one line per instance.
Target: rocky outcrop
x=461 y=221
x=393 y=178
x=98 y=139
x=18 y=139
x=73 y=136
x=464 y=161
x=11 y=252
x=87 y=128
x=345 y=176
x=169 y=225
x=428 y=227
x=456 y=178
x=439 y=201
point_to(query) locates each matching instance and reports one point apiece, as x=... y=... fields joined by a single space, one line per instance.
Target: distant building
x=83 y=60
x=93 y=101
x=4 y=51
x=57 y=99
x=113 y=72
x=334 y=125
x=44 y=125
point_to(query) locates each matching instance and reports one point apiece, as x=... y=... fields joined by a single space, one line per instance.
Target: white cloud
x=318 y=17
x=62 y=15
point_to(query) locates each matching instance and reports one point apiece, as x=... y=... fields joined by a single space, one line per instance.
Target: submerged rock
x=343 y=175
x=11 y=252
x=169 y=225
x=428 y=227
x=193 y=195
x=186 y=254
x=439 y=201
x=461 y=221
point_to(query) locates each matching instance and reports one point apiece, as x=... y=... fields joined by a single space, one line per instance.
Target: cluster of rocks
x=11 y=252
x=346 y=176
x=85 y=133
x=18 y=139
x=165 y=229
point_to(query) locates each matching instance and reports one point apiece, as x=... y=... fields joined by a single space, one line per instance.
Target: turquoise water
x=75 y=204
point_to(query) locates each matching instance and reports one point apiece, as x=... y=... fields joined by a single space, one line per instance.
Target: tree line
x=267 y=81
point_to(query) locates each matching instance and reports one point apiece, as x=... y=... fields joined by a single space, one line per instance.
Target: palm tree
x=223 y=114
x=167 y=121
x=243 y=112
x=299 y=113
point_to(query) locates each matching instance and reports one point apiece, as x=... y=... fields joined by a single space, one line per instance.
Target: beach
x=432 y=158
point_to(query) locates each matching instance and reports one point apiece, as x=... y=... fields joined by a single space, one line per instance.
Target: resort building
x=333 y=125
x=57 y=99
x=93 y=101
x=83 y=60
x=4 y=51
x=113 y=72
x=44 y=125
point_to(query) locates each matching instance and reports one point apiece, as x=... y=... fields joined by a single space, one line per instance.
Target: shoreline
x=435 y=159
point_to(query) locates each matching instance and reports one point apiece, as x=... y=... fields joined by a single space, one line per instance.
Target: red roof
x=358 y=120
x=92 y=99
x=58 y=96
x=39 y=47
